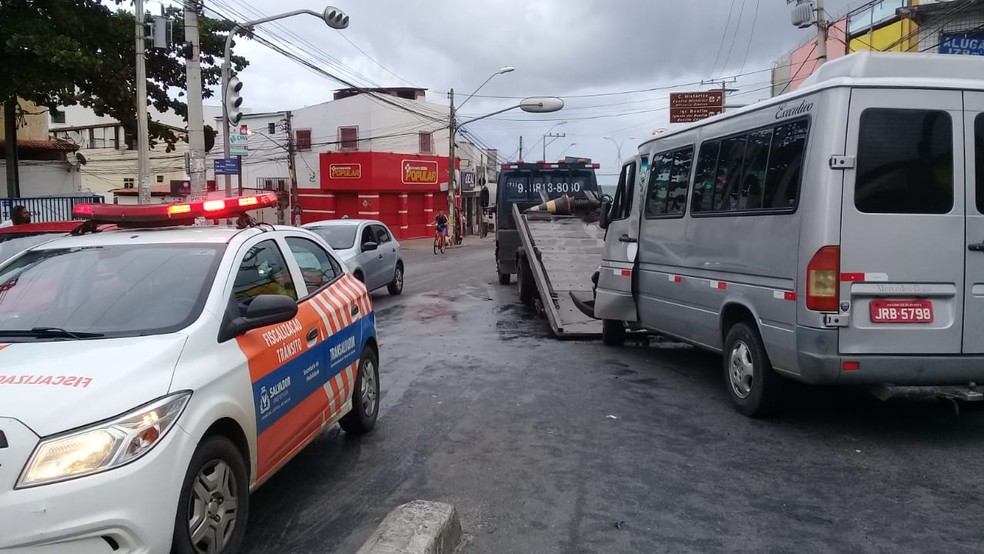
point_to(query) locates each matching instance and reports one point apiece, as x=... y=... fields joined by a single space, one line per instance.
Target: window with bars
x=348 y=138
x=426 y=143
x=128 y=182
x=302 y=140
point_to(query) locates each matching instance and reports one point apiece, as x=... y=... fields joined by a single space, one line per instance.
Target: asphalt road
x=549 y=446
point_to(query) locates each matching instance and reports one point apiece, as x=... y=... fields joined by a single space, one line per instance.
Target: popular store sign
x=345 y=171
x=419 y=172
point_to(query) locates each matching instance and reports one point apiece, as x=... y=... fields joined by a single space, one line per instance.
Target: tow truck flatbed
x=562 y=253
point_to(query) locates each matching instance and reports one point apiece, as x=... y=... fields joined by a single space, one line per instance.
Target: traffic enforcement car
x=152 y=376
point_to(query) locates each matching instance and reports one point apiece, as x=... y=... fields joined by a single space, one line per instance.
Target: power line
x=734 y=37
x=751 y=35
x=724 y=35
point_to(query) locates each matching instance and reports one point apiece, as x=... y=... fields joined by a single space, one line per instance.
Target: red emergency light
x=182 y=213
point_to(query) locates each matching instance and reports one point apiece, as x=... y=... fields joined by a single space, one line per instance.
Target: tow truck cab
x=529 y=184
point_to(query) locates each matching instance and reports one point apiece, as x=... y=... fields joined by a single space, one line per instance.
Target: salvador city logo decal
x=419 y=172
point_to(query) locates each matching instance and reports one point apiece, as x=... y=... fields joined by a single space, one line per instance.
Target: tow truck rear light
x=183 y=213
x=823 y=280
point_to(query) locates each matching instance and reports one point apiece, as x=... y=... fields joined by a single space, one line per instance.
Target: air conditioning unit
x=804 y=13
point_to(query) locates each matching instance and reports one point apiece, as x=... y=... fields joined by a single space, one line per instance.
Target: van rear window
x=905 y=162
x=979 y=160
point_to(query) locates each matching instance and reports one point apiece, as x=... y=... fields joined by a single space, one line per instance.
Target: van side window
x=668 y=183
x=676 y=201
x=659 y=184
x=622 y=203
x=755 y=171
x=905 y=162
x=729 y=173
x=979 y=159
x=785 y=165
x=704 y=178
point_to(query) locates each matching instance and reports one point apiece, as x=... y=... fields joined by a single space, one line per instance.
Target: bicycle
x=440 y=243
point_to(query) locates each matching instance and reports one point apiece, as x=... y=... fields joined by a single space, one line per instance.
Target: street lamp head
x=507 y=69
x=541 y=104
x=335 y=18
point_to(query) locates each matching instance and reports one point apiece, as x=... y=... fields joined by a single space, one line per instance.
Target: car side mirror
x=263 y=310
x=606 y=209
x=369 y=246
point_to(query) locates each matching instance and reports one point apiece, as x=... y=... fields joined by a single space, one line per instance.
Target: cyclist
x=441 y=222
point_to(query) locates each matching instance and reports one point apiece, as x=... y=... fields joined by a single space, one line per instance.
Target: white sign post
x=239 y=141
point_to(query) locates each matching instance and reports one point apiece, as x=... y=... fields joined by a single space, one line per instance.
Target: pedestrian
x=18 y=216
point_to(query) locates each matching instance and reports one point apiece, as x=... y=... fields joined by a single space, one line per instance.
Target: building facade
x=45 y=166
x=934 y=26
x=379 y=154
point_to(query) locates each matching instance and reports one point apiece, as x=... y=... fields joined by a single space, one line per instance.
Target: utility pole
x=520 y=147
x=196 y=115
x=724 y=90
x=10 y=143
x=292 y=168
x=821 y=34
x=452 y=129
x=553 y=136
x=143 y=153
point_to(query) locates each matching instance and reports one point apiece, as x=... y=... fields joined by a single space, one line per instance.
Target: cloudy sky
x=604 y=57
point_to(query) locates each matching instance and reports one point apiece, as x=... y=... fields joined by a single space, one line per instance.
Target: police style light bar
x=181 y=213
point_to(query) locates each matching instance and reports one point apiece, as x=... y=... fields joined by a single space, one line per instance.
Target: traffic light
x=233 y=100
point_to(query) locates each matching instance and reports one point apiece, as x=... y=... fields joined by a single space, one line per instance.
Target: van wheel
x=524 y=280
x=365 y=396
x=214 y=500
x=612 y=332
x=752 y=383
x=504 y=278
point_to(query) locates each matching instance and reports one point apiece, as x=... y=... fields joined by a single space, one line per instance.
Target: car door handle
x=312 y=335
x=355 y=309
x=626 y=238
x=380 y=256
x=979 y=247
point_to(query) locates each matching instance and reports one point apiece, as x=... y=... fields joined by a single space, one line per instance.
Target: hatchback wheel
x=214 y=501
x=396 y=285
x=365 y=396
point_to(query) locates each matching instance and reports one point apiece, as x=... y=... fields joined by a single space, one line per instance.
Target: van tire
x=504 y=278
x=215 y=456
x=524 y=280
x=752 y=384
x=612 y=332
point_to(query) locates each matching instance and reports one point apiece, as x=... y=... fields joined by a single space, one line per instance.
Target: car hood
x=57 y=386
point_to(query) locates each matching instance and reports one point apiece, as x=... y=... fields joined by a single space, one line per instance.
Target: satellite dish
x=80 y=158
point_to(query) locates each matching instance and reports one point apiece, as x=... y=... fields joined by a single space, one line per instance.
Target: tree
x=82 y=52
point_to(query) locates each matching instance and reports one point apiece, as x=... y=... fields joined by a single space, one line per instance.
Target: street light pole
x=618 y=149
x=143 y=148
x=452 y=131
x=333 y=17
x=569 y=146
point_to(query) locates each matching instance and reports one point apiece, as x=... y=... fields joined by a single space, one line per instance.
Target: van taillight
x=823 y=280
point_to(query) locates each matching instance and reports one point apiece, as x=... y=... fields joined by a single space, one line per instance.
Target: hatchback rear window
x=905 y=162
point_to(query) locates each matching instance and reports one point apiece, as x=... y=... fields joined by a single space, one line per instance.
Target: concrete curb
x=418 y=527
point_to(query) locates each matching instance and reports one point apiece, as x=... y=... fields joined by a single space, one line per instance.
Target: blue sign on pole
x=227 y=166
x=970 y=43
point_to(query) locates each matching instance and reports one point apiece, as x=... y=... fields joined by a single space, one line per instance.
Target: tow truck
x=547 y=234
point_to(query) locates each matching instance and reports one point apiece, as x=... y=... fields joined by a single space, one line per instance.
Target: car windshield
x=11 y=245
x=113 y=291
x=339 y=237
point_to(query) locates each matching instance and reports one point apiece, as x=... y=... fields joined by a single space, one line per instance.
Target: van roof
x=872 y=69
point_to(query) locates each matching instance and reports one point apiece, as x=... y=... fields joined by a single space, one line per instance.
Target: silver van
x=831 y=235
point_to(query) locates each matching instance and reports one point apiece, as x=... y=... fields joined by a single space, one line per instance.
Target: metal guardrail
x=47 y=208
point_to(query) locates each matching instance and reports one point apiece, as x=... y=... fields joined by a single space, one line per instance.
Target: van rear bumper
x=820 y=363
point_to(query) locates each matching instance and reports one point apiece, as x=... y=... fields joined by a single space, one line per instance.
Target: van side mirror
x=263 y=310
x=606 y=212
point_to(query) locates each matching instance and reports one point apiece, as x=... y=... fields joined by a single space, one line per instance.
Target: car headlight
x=103 y=446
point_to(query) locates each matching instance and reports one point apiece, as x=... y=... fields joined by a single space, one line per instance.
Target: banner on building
x=419 y=172
x=968 y=43
x=345 y=171
x=467 y=181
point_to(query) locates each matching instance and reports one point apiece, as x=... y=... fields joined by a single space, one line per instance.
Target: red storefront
x=401 y=190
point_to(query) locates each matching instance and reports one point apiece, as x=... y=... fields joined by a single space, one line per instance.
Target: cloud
x=559 y=47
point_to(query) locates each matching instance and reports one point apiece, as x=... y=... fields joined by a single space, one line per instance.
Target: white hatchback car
x=368 y=249
x=150 y=378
